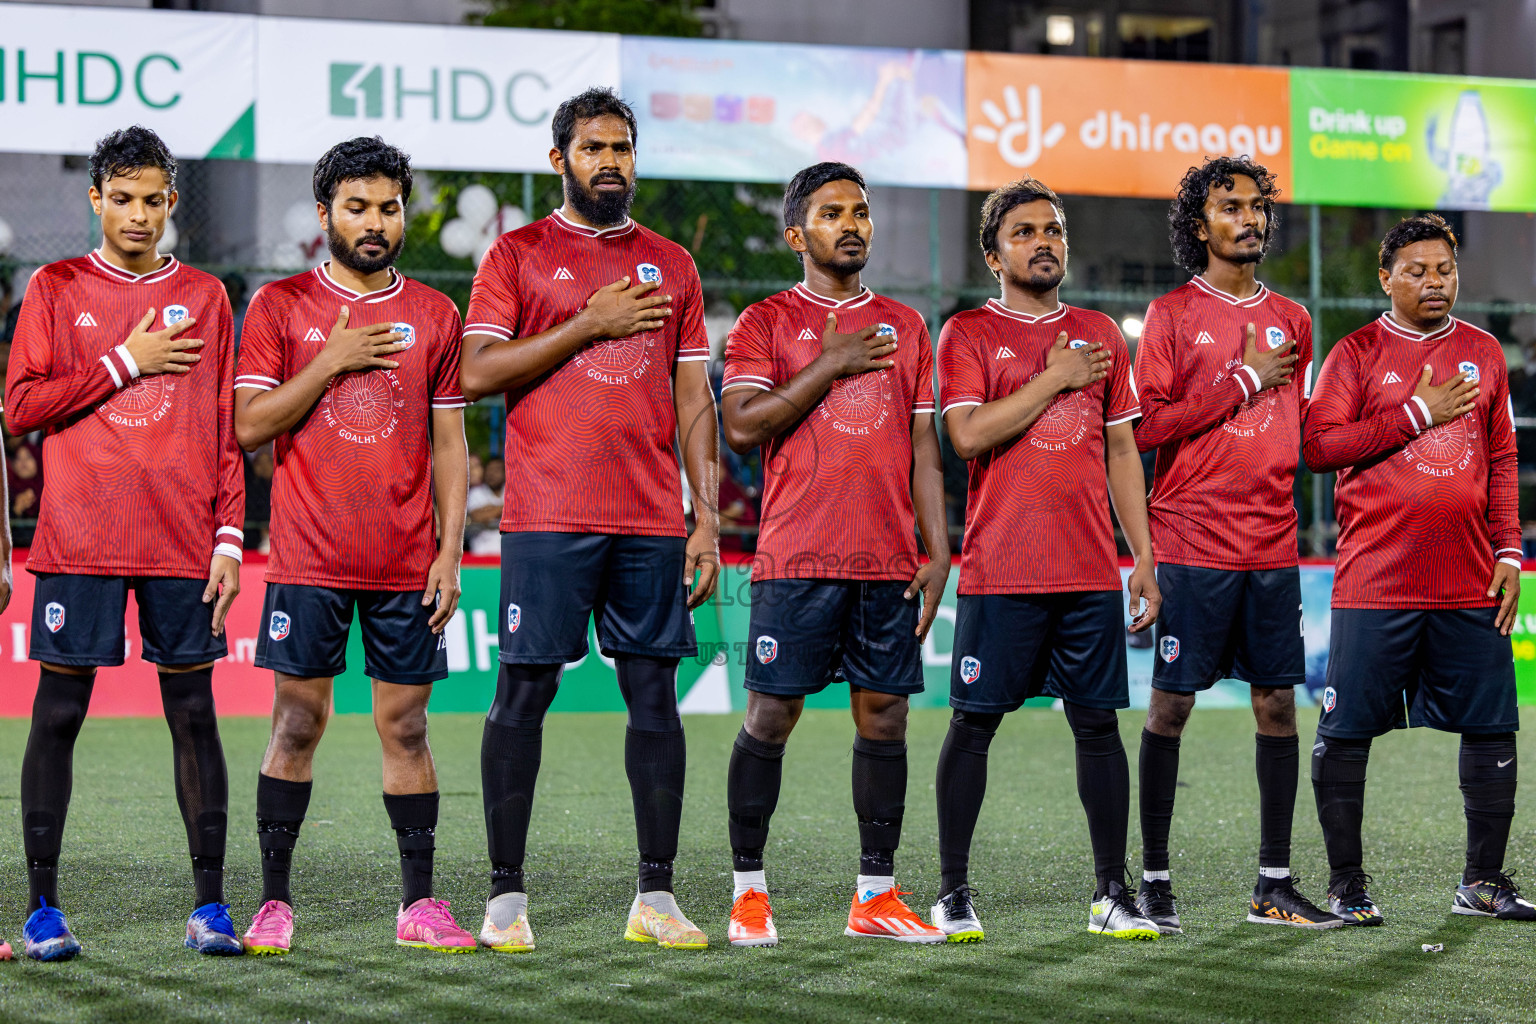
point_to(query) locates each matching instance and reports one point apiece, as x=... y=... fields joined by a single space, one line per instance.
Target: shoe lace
x=1507 y=881
x=1354 y=888
x=273 y=909
x=753 y=907
x=889 y=902
x=435 y=913
x=957 y=905
x=1159 y=900
x=216 y=917
x=50 y=918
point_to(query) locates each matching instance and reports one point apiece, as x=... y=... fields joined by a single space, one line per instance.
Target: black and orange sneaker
x=1278 y=902
x=1349 y=900
x=1494 y=897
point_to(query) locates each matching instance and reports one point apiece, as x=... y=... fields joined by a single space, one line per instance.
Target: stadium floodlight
x=1060 y=29
x=1131 y=325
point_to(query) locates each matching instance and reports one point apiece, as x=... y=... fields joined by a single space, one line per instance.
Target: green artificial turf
x=126 y=886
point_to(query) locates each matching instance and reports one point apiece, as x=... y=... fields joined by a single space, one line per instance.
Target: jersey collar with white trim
x=1253 y=300
x=1409 y=333
x=996 y=306
x=119 y=274
x=865 y=295
x=581 y=229
x=396 y=285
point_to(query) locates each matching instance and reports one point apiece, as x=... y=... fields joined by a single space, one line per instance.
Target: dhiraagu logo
x=398 y=93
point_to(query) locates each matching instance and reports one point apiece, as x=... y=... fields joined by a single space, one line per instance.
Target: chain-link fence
x=253 y=223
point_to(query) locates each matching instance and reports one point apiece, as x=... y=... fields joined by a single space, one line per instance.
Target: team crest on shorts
x=514 y=618
x=1077 y=343
x=175 y=315
x=1468 y=368
x=280 y=626
x=648 y=273
x=1330 y=699
x=1169 y=648
x=408 y=332
x=1274 y=336
x=767 y=648
x=53 y=615
x=884 y=331
x=970 y=669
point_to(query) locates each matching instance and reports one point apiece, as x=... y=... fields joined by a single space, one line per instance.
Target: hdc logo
x=462 y=94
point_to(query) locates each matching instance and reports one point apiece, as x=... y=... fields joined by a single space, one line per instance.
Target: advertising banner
x=709 y=683
x=453 y=98
x=731 y=111
x=1086 y=126
x=1414 y=141
x=69 y=75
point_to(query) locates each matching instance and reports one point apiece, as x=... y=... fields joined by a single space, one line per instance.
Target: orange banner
x=1087 y=126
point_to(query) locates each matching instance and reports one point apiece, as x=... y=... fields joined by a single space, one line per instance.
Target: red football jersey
x=145 y=477
x=1222 y=491
x=837 y=487
x=591 y=443
x=352 y=493
x=1422 y=514
x=1037 y=507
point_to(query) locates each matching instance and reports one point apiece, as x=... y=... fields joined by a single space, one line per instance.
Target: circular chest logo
x=617 y=360
x=141 y=403
x=1064 y=422
x=858 y=405
x=363 y=407
x=1447 y=446
x=1256 y=411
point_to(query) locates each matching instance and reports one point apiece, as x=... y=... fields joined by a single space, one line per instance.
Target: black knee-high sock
x=202 y=780
x=511 y=751
x=751 y=795
x=1104 y=787
x=1338 y=783
x=1277 y=762
x=1487 y=768
x=47 y=777
x=1158 y=773
x=413 y=816
x=656 y=763
x=960 y=785
x=280 y=809
x=879 y=801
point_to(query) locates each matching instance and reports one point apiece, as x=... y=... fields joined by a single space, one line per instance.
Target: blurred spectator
x=482 y=534
x=258 y=498
x=24 y=477
x=235 y=288
x=476 y=471
x=739 y=511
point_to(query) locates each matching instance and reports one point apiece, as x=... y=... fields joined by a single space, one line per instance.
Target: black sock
x=1104 y=787
x=47 y=777
x=413 y=816
x=960 y=785
x=879 y=801
x=656 y=763
x=751 y=794
x=1158 y=773
x=1487 y=767
x=202 y=780
x=1338 y=782
x=511 y=750
x=280 y=809
x=1277 y=761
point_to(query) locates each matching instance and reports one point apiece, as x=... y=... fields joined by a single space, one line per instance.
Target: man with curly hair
x=1413 y=412
x=1222 y=403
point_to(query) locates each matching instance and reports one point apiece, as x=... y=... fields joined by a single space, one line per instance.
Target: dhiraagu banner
x=1414 y=141
x=69 y=75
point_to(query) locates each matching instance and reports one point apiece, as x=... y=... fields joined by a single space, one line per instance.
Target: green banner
x=1412 y=141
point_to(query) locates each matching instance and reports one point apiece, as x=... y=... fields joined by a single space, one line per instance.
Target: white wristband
x=1511 y=561
x=229 y=551
x=127 y=358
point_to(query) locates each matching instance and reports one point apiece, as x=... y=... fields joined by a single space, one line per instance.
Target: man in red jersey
x=1038 y=398
x=369 y=429
x=1413 y=411
x=145 y=493
x=1224 y=368
x=836 y=384
x=593 y=327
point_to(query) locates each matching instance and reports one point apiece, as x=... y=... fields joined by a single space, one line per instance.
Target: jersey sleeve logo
x=767 y=648
x=408 y=334
x=514 y=618
x=280 y=626
x=1168 y=647
x=145 y=401
x=53 y=616
x=1468 y=368
x=1274 y=337
x=970 y=669
x=175 y=315
x=1330 y=699
x=648 y=273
